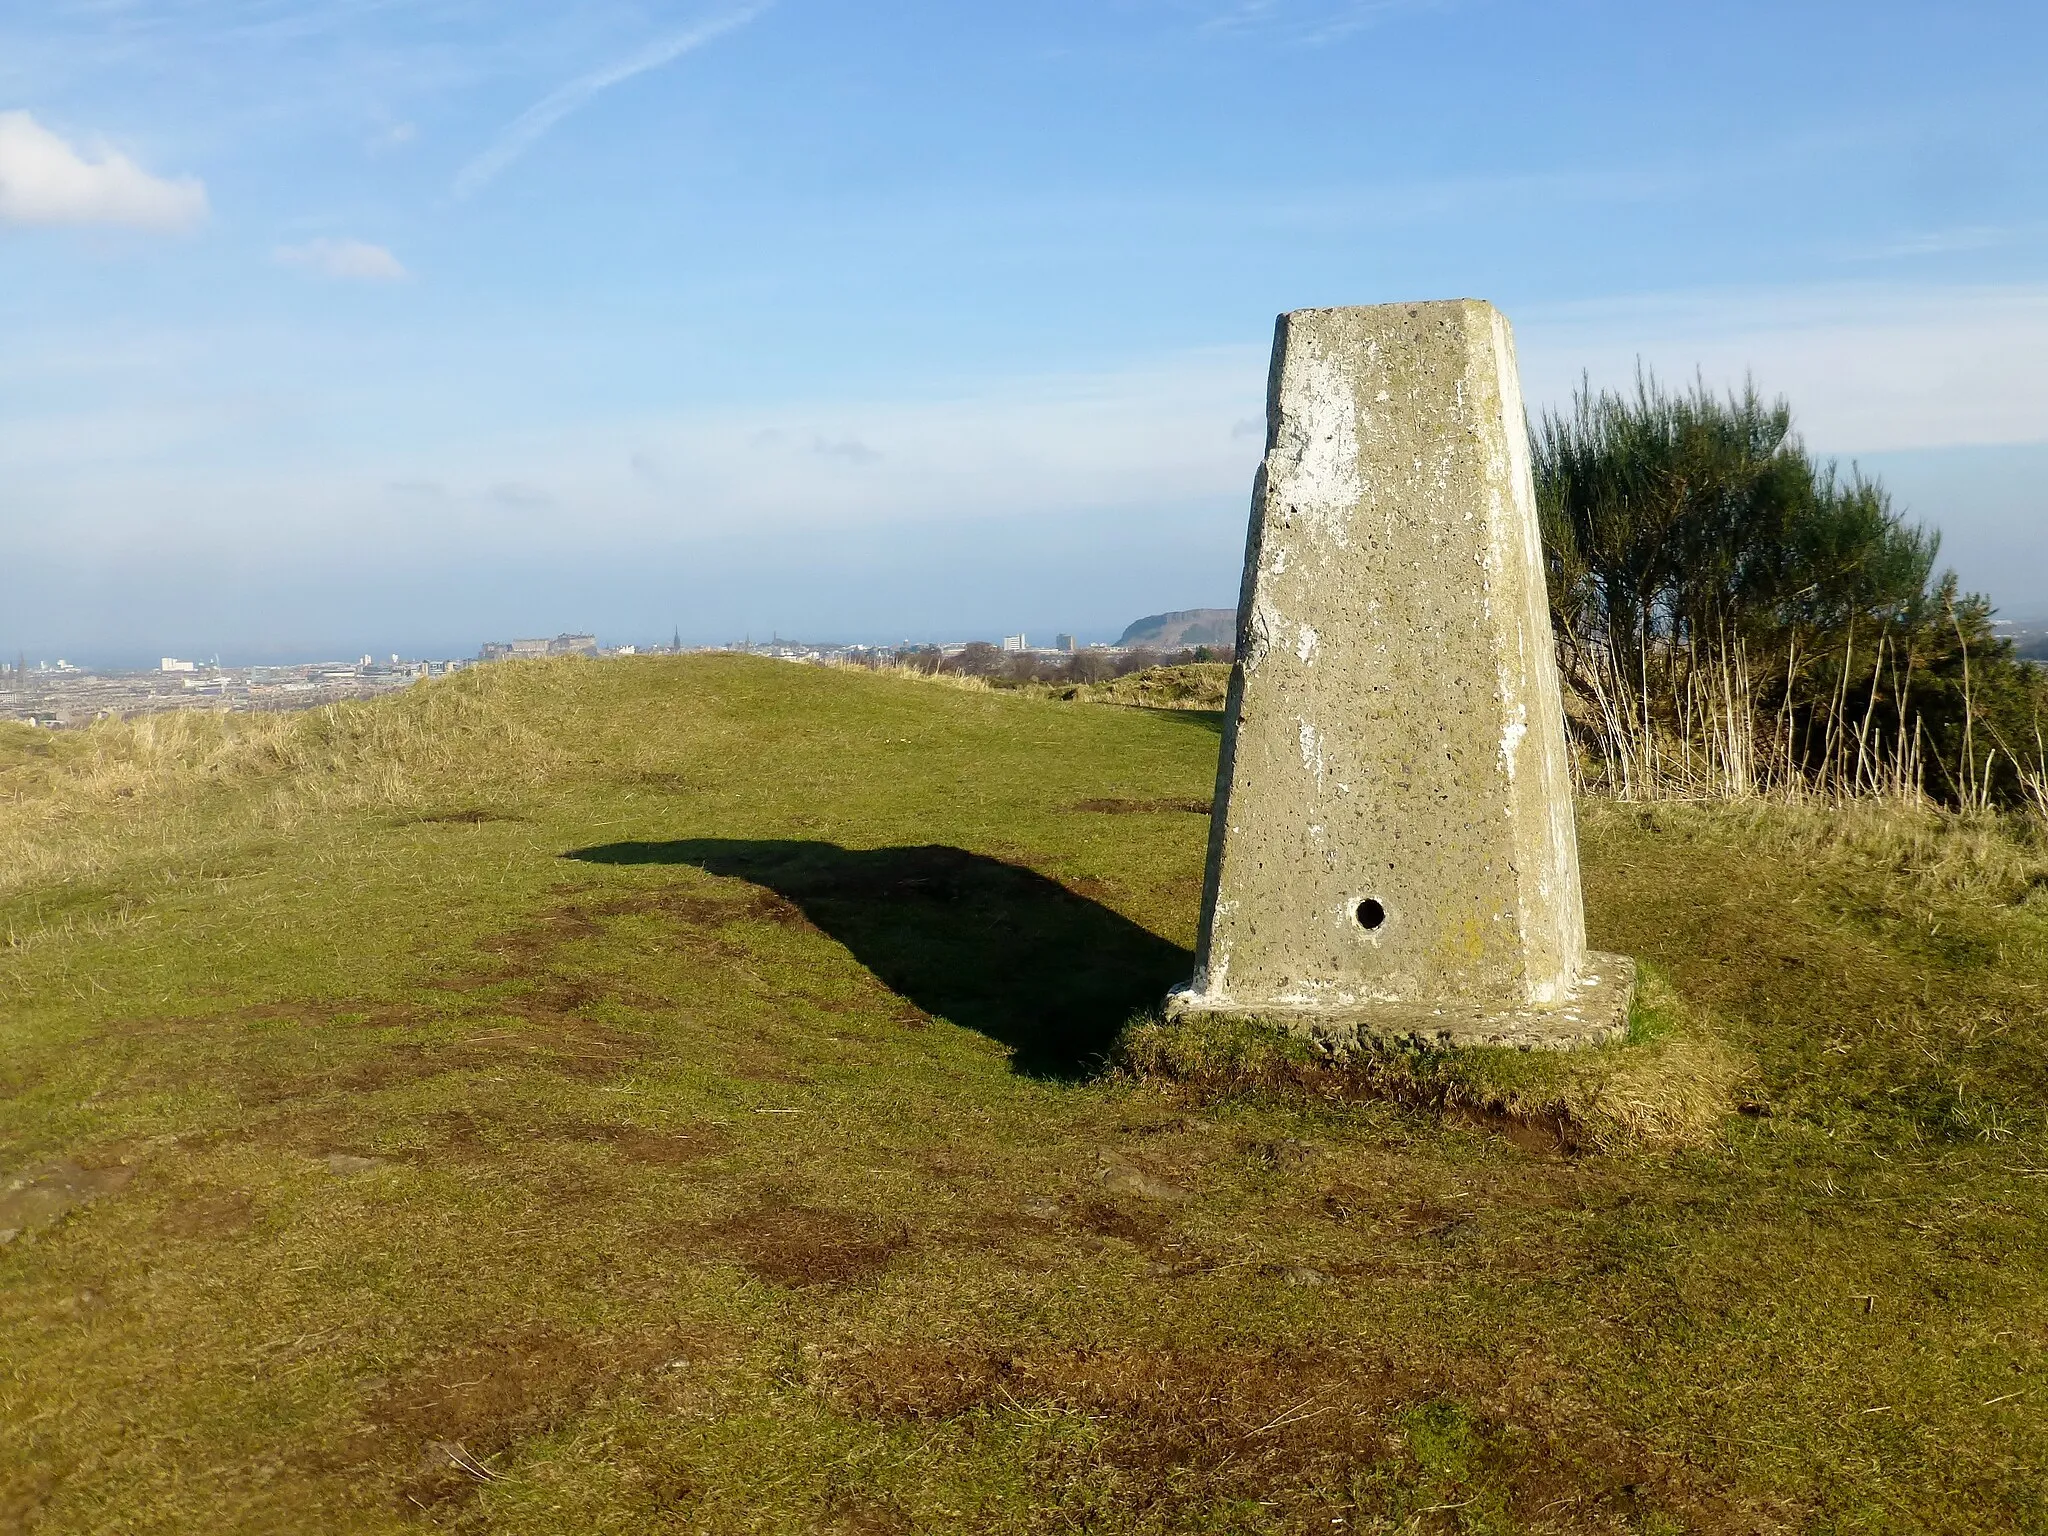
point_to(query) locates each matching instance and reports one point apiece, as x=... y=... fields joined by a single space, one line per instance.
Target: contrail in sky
x=526 y=129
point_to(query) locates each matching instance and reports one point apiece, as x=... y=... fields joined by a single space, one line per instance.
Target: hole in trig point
x=1370 y=912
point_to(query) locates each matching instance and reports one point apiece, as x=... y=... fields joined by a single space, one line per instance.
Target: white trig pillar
x=1393 y=854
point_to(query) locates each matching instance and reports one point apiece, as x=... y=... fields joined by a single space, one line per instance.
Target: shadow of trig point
x=1393 y=854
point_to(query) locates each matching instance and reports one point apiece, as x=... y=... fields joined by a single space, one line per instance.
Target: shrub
x=1715 y=585
x=1093 y=665
x=977 y=659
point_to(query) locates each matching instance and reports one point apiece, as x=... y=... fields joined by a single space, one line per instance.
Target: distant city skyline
x=343 y=328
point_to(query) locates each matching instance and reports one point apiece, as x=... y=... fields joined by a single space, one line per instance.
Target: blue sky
x=375 y=325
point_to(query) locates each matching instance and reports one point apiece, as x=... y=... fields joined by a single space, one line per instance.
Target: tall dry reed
x=1687 y=723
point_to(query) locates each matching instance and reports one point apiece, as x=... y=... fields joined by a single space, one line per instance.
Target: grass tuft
x=1670 y=1084
x=73 y=804
x=1192 y=685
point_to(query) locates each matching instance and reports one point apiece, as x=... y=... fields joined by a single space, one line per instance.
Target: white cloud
x=1316 y=21
x=1867 y=370
x=356 y=260
x=526 y=129
x=1940 y=242
x=44 y=180
x=1115 y=444
x=1158 y=456
x=1866 y=367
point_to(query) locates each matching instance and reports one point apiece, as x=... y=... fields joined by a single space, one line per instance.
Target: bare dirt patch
x=392 y=1067
x=661 y=783
x=700 y=910
x=657 y=1148
x=208 y=1214
x=786 y=1242
x=377 y=1015
x=468 y=1135
x=549 y=998
x=1168 y=1412
x=1426 y=1218
x=1541 y=1135
x=441 y=1425
x=545 y=1040
x=24 y=1495
x=763 y=1067
x=573 y=1049
x=849 y=1512
x=1126 y=1220
x=458 y=1136
x=549 y=1041
x=1323 y=1439
x=525 y=947
x=527 y=951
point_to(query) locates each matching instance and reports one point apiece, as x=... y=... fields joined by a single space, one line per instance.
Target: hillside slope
x=1182 y=628
x=663 y=1095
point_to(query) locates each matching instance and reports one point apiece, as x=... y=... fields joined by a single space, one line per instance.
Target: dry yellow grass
x=960 y=680
x=1671 y=1084
x=1198 y=685
x=72 y=802
x=1985 y=853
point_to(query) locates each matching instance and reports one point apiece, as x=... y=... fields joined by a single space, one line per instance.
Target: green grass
x=1668 y=1084
x=670 y=1096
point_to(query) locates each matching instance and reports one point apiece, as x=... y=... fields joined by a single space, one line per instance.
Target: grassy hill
x=668 y=1095
x=1183 y=627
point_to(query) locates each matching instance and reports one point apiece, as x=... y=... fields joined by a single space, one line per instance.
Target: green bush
x=1683 y=530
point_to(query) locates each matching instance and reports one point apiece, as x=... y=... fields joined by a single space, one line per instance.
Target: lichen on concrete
x=1393 y=852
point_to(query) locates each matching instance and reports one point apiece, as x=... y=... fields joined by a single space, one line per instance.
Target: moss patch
x=1670 y=1084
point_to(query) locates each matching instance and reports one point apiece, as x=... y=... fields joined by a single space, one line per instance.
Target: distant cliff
x=1188 y=627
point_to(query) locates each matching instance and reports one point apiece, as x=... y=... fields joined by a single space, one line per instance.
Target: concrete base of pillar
x=1596 y=1013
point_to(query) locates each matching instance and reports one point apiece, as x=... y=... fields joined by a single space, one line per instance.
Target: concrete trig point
x=1393 y=854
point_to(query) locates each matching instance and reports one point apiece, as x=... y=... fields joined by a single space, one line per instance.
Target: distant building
x=172 y=664
x=561 y=645
x=1014 y=643
x=1064 y=643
